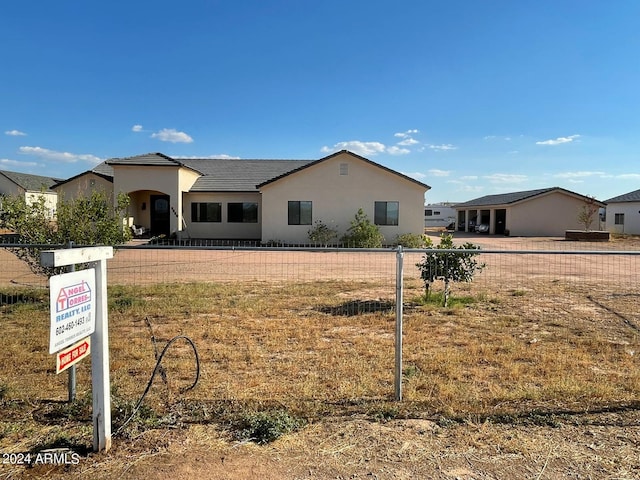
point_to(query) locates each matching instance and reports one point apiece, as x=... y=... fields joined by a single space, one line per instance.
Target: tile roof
x=627 y=197
x=103 y=169
x=509 y=198
x=234 y=175
x=149 y=159
x=504 y=198
x=30 y=182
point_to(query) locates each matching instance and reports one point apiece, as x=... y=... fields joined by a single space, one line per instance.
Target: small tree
x=85 y=221
x=322 y=233
x=362 y=233
x=448 y=266
x=588 y=212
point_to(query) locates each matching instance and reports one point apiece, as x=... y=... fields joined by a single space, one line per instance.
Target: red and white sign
x=72 y=355
x=72 y=301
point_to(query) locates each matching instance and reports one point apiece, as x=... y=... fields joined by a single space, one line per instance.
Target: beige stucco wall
x=336 y=199
x=548 y=215
x=631 y=212
x=84 y=186
x=50 y=200
x=223 y=229
x=172 y=181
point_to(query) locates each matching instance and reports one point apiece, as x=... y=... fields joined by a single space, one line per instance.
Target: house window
x=428 y=213
x=245 y=212
x=386 y=213
x=206 y=212
x=299 y=213
x=344 y=169
x=619 y=219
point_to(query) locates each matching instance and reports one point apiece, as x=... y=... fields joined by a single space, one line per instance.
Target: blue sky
x=471 y=97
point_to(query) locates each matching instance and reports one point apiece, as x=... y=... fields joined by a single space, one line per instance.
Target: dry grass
x=509 y=360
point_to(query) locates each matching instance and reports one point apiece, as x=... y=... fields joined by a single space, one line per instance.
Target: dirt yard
x=570 y=442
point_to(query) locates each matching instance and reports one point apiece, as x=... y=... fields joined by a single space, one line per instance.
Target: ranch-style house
x=258 y=200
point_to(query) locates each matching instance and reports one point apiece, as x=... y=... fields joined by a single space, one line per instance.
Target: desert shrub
x=321 y=233
x=412 y=240
x=265 y=427
x=362 y=233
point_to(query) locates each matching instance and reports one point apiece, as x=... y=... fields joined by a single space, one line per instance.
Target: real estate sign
x=72 y=302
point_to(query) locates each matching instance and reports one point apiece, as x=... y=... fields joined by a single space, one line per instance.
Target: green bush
x=412 y=240
x=362 y=233
x=321 y=233
x=265 y=427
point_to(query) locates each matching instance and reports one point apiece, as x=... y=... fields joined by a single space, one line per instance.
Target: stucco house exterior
x=99 y=178
x=623 y=213
x=30 y=186
x=261 y=200
x=543 y=212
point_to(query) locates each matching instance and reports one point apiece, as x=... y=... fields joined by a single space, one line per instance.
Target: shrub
x=265 y=427
x=412 y=240
x=362 y=233
x=321 y=233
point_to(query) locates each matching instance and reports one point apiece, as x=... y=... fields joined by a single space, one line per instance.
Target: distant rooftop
x=627 y=197
x=32 y=183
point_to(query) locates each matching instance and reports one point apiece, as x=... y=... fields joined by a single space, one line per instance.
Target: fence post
x=71 y=387
x=398 y=336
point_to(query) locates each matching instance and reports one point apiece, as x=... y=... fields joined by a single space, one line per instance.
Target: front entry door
x=160 y=219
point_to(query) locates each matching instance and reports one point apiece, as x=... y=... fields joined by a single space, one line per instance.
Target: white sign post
x=98 y=256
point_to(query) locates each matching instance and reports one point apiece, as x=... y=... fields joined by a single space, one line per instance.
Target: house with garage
x=265 y=200
x=623 y=213
x=31 y=187
x=543 y=212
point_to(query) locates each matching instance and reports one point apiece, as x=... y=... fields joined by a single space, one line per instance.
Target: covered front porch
x=150 y=213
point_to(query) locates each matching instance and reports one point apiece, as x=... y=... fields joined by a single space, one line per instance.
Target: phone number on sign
x=71 y=325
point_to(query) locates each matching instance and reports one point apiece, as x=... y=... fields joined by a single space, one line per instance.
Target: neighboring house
x=439 y=215
x=32 y=187
x=99 y=178
x=266 y=200
x=623 y=213
x=543 y=212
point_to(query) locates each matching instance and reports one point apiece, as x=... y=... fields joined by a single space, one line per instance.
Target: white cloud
x=505 y=178
x=447 y=146
x=469 y=177
x=398 y=151
x=15 y=133
x=559 y=140
x=136 y=128
x=496 y=137
x=629 y=176
x=17 y=163
x=355 y=146
x=172 y=135
x=439 y=173
x=59 y=156
x=406 y=134
x=417 y=175
x=408 y=141
x=574 y=175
